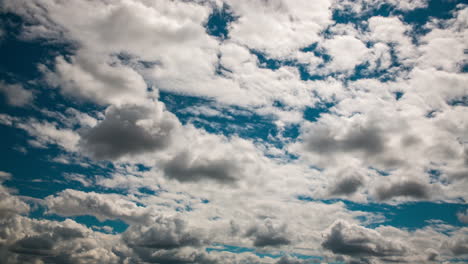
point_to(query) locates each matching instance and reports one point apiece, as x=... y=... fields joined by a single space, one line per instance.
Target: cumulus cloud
x=363 y=138
x=185 y=168
x=163 y=233
x=268 y=234
x=353 y=240
x=411 y=189
x=103 y=206
x=129 y=130
x=86 y=78
x=347 y=186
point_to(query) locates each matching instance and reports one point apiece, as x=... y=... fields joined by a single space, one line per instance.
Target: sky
x=233 y=131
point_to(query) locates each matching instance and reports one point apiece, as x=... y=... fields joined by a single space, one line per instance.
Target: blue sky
x=329 y=131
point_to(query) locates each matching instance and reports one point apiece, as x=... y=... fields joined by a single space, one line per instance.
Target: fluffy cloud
x=285 y=26
x=103 y=206
x=86 y=77
x=184 y=168
x=267 y=234
x=353 y=240
x=403 y=188
x=129 y=130
x=346 y=51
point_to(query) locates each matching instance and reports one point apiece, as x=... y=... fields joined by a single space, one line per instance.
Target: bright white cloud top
x=219 y=131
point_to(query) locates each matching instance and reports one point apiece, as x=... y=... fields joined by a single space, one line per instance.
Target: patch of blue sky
x=218 y=22
x=21 y=56
x=19 y=61
x=273 y=64
x=232 y=120
x=410 y=215
x=458 y=260
x=461 y=101
x=312 y=114
x=381 y=172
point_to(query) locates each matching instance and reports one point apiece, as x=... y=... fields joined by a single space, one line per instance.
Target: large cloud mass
x=229 y=131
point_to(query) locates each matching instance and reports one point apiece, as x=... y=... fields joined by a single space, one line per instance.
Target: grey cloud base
x=122 y=133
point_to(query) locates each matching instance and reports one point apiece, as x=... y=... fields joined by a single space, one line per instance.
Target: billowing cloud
x=267 y=234
x=85 y=77
x=103 y=206
x=129 y=130
x=352 y=240
x=185 y=168
x=347 y=186
x=404 y=188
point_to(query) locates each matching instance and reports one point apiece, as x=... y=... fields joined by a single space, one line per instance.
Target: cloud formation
x=291 y=138
x=129 y=130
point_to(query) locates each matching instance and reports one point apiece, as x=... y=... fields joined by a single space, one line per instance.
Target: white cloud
x=347 y=52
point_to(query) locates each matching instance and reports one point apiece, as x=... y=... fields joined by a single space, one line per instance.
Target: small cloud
x=463 y=216
x=15 y=94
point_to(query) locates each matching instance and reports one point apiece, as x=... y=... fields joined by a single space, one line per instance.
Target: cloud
x=84 y=76
x=463 y=216
x=383 y=134
x=129 y=130
x=294 y=260
x=9 y=204
x=16 y=95
x=185 y=168
x=103 y=206
x=458 y=243
x=353 y=240
x=285 y=26
x=268 y=234
x=46 y=133
x=410 y=189
x=166 y=240
x=346 y=51
x=365 y=138
x=347 y=186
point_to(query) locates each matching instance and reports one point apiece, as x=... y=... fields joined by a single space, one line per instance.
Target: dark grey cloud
x=162 y=241
x=120 y=133
x=26 y=240
x=43 y=243
x=353 y=240
x=184 y=168
x=268 y=235
x=369 y=140
x=459 y=246
x=347 y=186
x=411 y=189
x=163 y=233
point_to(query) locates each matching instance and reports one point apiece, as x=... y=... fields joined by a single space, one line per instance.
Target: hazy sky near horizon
x=233 y=131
